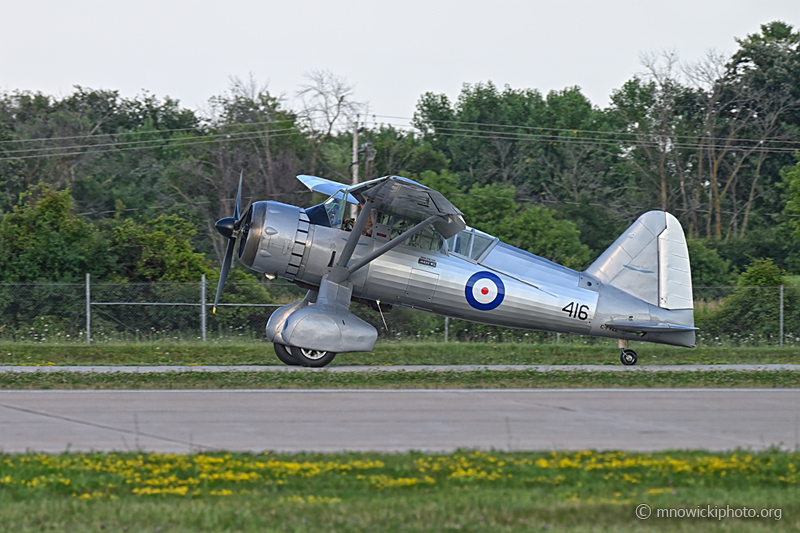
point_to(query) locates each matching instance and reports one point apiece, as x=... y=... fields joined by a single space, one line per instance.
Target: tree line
x=129 y=188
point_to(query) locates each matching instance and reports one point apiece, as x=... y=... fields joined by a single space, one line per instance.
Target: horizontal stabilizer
x=648 y=327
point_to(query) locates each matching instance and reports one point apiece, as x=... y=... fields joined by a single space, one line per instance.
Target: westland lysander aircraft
x=409 y=246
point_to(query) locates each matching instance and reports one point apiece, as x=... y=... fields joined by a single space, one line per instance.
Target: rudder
x=650 y=260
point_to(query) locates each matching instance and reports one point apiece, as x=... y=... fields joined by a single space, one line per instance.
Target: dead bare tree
x=738 y=122
x=703 y=76
x=327 y=106
x=660 y=144
x=254 y=135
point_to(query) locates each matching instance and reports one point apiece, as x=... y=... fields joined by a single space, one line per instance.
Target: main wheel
x=628 y=357
x=283 y=354
x=312 y=358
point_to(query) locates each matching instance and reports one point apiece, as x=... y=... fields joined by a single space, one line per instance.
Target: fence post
x=88 y=310
x=203 y=307
x=446 y=327
x=780 y=319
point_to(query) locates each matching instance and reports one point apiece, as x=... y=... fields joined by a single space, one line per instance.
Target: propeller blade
x=238 y=199
x=223 y=274
x=229 y=227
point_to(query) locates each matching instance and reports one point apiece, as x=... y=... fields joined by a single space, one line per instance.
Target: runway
x=399 y=420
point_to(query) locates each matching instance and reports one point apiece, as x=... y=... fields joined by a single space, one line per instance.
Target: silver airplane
x=410 y=247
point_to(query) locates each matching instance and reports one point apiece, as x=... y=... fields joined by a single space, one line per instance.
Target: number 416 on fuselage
x=410 y=247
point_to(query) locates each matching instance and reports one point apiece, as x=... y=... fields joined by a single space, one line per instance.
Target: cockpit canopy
x=330 y=213
x=470 y=243
x=335 y=206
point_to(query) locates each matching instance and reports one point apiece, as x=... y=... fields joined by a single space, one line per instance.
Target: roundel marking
x=484 y=291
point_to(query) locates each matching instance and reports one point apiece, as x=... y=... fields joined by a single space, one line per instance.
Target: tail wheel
x=312 y=358
x=283 y=354
x=628 y=357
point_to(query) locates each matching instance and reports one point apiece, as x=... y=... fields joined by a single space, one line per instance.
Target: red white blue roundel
x=485 y=291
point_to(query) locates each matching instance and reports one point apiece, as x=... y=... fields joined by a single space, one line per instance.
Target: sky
x=391 y=51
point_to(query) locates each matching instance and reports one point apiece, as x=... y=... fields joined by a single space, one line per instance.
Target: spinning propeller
x=230 y=228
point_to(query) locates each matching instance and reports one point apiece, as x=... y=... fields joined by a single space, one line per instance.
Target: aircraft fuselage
x=502 y=286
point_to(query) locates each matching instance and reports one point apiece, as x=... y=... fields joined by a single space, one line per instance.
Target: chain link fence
x=146 y=312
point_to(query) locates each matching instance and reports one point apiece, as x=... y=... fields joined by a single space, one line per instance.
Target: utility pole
x=354 y=164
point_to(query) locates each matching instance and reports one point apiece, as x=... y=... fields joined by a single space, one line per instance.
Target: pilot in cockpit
x=370 y=223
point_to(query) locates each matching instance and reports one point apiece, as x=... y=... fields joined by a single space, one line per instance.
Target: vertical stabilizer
x=649 y=260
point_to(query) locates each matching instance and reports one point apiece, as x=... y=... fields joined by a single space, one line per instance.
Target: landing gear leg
x=627 y=357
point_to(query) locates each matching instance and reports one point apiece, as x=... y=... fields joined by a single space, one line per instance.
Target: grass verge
x=386 y=353
x=464 y=491
x=477 y=379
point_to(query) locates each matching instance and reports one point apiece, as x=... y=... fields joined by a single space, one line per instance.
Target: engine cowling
x=274 y=237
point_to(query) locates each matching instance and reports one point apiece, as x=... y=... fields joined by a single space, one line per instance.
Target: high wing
x=409 y=199
x=398 y=196
x=323 y=186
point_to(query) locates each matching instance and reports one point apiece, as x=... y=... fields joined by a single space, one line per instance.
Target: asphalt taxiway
x=399 y=420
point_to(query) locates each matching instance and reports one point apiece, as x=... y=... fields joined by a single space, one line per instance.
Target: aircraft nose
x=225 y=226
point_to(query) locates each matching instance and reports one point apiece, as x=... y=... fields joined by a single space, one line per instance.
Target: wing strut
x=355 y=235
x=391 y=244
x=340 y=273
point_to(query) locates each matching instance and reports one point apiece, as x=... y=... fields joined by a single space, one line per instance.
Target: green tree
x=790 y=226
x=755 y=104
x=536 y=230
x=708 y=268
x=770 y=61
x=479 y=134
x=492 y=209
x=751 y=313
x=398 y=153
x=157 y=250
x=553 y=150
x=444 y=182
x=761 y=273
x=489 y=207
x=43 y=240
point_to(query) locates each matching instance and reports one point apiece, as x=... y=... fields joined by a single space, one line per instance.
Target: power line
x=510 y=136
x=451 y=132
x=127 y=143
x=196 y=128
x=534 y=200
x=573 y=131
x=167 y=144
x=576 y=130
x=184 y=204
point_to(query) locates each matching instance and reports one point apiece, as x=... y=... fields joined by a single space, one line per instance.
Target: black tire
x=311 y=358
x=628 y=357
x=283 y=354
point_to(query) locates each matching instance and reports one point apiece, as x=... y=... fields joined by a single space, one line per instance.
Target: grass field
x=473 y=379
x=391 y=354
x=465 y=491
x=386 y=353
